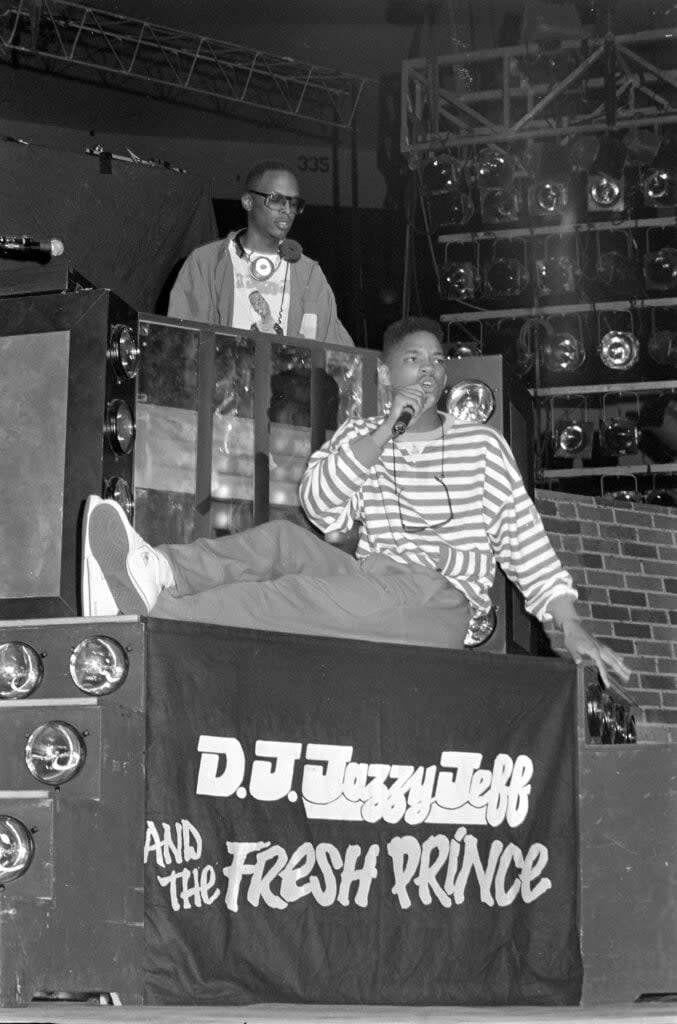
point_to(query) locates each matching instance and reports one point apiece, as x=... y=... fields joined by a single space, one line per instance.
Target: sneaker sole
x=109 y=545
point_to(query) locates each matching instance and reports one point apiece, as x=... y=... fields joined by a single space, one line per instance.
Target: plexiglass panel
x=166 y=439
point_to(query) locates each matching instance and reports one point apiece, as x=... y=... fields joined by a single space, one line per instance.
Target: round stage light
x=494 y=168
x=570 y=438
x=619 y=350
x=555 y=276
x=620 y=437
x=481 y=627
x=563 y=353
x=660 y=269
x=470 y=401
x=454 y=208
x=505 y=277
x=119 y=490
x=550 y=197
x=500 y=206
x=21 y=670
x=458 y=281
x=16 y=848
x=604 y=191
x=98 y=665
x=463 y=348
x=663 y=347
x=441 y=173
x=123 y=351
x=55 y=752
x=659 y=188
x=119 y=427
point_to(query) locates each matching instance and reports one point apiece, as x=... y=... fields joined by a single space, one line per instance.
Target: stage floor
x=55 y=1012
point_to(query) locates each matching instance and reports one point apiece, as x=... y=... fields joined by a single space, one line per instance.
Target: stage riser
x=74 y=921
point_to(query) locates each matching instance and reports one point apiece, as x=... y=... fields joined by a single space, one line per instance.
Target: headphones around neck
x=261 y=266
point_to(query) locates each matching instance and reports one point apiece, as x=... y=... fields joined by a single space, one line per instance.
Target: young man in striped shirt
x=437 y=505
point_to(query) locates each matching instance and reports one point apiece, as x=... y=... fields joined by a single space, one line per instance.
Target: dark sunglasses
x=277 y=201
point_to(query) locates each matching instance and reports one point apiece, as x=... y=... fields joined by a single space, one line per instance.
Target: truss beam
x=61 y=37
x=617 y=82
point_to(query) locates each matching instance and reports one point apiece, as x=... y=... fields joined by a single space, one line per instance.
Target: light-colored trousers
x=281 y=577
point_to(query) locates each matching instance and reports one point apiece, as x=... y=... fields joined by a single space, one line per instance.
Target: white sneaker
x=120 y=572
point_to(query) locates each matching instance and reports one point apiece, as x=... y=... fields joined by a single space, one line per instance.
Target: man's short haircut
x=258 y=170
x=396 y=332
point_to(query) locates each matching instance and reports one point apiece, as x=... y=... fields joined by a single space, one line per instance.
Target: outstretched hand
x=581 y=645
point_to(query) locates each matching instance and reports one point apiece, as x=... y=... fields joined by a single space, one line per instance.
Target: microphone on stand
x=24 y=245
x=403 y=421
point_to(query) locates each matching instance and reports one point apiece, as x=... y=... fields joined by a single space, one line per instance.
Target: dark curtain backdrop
x=125 y=226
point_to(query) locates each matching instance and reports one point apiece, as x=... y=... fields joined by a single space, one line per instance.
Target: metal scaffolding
x=61 y=37
x=523 y=92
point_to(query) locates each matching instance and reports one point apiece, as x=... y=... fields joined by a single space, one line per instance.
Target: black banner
x=336 y=821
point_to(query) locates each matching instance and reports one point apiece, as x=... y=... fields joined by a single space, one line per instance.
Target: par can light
x=55 y=752
x=505 y=277
x=494 y=168
x=16 y=848
x=458 y=281
x=563 y=353
x=570 y=438
x=21 y=670
x=660 y=269
x=98 y=665
x=619 y=350
x=471 y=401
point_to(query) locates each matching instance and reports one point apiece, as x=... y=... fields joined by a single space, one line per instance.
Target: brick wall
x=623 y=558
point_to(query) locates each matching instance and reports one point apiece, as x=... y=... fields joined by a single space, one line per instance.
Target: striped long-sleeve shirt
x=452 y=500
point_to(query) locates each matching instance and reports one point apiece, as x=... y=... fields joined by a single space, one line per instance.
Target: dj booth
x=197 y=814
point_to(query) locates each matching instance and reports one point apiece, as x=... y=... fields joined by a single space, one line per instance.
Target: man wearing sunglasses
x=257 y=278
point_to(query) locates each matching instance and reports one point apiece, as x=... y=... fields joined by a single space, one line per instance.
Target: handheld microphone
x=24 y=245
x=403 y=421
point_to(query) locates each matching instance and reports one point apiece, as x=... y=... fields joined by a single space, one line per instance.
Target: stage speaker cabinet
x=512 y=416
x=67 y=428
x=72 y=812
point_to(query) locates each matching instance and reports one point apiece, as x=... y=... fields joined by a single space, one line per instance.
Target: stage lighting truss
x=618 y=346
x=619 y=428
x=571 y=432
x=562 y=347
